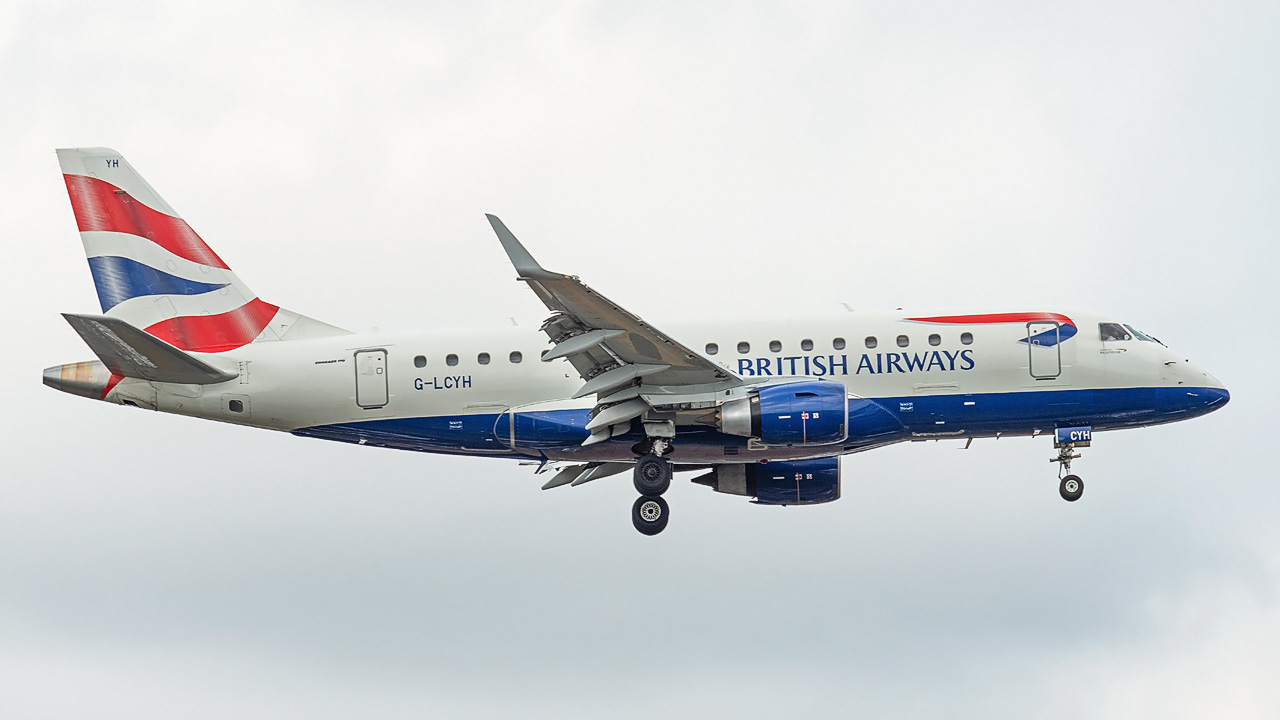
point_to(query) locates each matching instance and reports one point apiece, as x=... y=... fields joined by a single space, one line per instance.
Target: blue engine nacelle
x=811 y=412
x=796 y=482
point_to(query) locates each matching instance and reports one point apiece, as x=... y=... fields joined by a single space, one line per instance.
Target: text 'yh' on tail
x=155 y=273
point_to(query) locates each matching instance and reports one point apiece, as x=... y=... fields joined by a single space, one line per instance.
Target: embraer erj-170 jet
x=758 y=409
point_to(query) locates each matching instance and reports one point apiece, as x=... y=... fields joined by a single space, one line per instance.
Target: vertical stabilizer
x=155 y=273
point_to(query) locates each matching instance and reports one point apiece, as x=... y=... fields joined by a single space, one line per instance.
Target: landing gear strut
x=1066 y=440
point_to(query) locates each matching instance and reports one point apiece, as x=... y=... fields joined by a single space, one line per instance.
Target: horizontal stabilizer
x=130 y=352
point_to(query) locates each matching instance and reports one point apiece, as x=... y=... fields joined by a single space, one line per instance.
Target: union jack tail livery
x=154 y=272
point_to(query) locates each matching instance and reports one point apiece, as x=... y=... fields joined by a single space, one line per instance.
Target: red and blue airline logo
x=1064 y=329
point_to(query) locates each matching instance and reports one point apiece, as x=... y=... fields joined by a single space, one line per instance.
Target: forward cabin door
x=371 y=378
x=1043 y=343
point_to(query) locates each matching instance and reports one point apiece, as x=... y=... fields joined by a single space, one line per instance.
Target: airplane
x=760 y=409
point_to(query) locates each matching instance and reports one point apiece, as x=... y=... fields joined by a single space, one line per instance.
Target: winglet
x=526 y=266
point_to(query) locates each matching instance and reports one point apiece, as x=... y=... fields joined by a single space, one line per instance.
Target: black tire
x=652 y=475
x=649 y=514
x=1071 y=488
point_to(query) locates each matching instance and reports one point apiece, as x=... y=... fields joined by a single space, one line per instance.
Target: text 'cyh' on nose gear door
x=371 y=378
x=1045 y=351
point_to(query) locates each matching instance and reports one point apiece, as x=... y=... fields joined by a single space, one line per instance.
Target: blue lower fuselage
x=872 y=422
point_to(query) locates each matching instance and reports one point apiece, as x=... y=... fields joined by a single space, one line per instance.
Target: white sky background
x=708 y=160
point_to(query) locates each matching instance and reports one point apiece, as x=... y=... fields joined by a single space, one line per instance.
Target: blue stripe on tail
x=119 y=279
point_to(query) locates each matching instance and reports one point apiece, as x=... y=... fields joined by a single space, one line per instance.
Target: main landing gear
x=1066 y=440
x=652 y=477
x=649 y=514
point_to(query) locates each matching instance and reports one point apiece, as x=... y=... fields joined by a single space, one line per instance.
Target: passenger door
x=1045 y=350
x=371 y=378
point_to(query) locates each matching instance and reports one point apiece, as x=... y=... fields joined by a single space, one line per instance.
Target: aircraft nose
x=1187 y=402
x=1215 y=397
x=1219 y=396
x=1191 y=375
x=1205 y=380
x=1211 y=393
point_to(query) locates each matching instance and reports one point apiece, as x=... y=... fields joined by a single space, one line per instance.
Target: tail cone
x=87 y=379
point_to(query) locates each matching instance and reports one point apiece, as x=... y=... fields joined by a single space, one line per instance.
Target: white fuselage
x=446 y=390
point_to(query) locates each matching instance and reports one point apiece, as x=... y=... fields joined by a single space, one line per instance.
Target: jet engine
x=796 y=482
x=811 y=412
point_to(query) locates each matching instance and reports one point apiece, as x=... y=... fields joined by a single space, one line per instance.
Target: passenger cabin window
x=935 y=340
x=483 y=358
x=806 y=344
x=516 y=357
x=450 y=360
x=838 y=343
x=744 y=347
x=420 y=361
x=966 y=338
x=871 y=342
x=903 y=341
x=1113 y=332
x=775 y=346
x=712 y=348
x=236 y=406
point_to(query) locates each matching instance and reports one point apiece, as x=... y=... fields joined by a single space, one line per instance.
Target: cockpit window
x=1111 y=332
x=1139 y=334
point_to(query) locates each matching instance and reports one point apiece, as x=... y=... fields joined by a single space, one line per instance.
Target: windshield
x=1136 y=333
x=1141 y=335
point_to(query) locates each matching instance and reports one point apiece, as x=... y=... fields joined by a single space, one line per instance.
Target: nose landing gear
x=1071 y=488
x=1066 y=440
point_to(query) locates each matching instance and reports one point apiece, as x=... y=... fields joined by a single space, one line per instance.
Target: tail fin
x=154 y=272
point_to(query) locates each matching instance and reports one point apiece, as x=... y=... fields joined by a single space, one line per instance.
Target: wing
x=631 y=367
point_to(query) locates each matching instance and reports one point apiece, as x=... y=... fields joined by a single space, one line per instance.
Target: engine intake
x=798 y=482
x=796 y=413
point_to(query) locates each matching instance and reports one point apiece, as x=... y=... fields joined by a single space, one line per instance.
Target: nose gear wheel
x=1070 y=486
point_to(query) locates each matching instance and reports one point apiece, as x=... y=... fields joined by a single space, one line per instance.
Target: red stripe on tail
x=216 y=333
x=99 y=205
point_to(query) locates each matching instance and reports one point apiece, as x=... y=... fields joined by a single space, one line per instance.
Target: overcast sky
x=688 y=160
